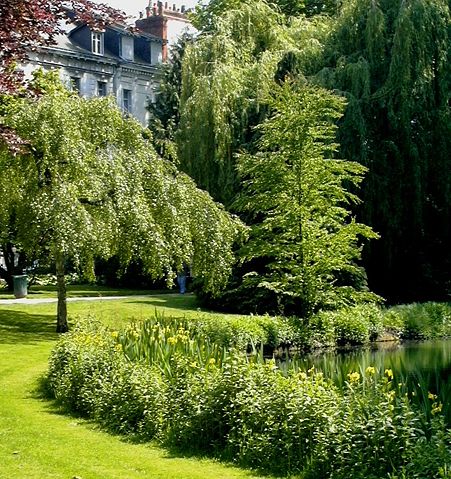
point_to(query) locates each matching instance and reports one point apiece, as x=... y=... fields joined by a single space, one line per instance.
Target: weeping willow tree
x=223 y=75
x=226 y=75
x=88 y=184
x=391 y=60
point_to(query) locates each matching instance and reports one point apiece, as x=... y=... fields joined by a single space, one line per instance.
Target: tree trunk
x=10 y=255
x=7 y=272
x=61 y=317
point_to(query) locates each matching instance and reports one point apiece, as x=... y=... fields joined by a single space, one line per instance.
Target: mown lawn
x=38 y=442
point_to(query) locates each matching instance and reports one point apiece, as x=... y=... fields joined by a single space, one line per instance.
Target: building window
x=97 y=43
x=101 y=88
x=127 y=100
x=75 y=84
x=127 y=48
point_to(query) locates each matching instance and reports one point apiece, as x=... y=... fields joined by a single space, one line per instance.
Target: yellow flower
x=354 y=377
x=437 y=408
x=389 y=373
x=211 y=361
x=431 y=396
x=172 y=340
x=370 y=370
x=118 y=347
x=114 y=334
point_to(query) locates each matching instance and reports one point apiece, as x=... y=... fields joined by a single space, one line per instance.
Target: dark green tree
x=165 y=111
x=391 y=60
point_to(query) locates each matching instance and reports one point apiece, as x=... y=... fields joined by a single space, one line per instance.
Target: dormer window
x=127 y=48
x=97 y=43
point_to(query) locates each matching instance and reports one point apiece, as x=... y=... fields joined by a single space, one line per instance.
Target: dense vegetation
x=389 y=60
x=166 y=379
x=278 y=110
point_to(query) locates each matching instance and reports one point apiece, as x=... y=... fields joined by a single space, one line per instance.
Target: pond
x=423 y=366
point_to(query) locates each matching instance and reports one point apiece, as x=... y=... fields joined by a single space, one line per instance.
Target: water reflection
x=422 y=366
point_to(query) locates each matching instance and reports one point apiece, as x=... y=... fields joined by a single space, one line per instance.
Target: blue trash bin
x=20 y=286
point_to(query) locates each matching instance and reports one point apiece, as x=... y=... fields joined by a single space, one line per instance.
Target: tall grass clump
x=420 y=321
x=172 y=384
x=354 y=325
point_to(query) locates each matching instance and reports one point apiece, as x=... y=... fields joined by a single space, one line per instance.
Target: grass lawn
x=38 y=442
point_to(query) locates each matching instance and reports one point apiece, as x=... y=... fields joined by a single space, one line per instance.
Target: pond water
x=423 y=366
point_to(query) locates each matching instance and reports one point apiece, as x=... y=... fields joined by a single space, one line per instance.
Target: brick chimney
x=156 y=24
x=156 y=21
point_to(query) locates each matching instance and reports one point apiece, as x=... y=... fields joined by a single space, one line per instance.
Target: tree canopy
x=88 y=183
x=390 y=60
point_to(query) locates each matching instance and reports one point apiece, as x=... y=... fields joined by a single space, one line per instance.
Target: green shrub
x=130 y=402
x=276 y=420
x=322 y=330
x=172 y=384
x=354 y=325
x=79 y=364
x=199 y=404
x=420 y=321
x=375 y=432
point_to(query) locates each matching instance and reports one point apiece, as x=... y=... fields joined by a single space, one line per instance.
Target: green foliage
x=300 y=196
x=376 y=432
x=391 y=60
x=225 y=74
x=160 y=337
x=165 y=111
x=420 y=321
x=307 y=7
x=247 y=410
x=356 y=325
x=90 y=184
x=207 y=14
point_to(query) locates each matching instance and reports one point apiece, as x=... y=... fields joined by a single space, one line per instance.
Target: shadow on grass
x=26 y=328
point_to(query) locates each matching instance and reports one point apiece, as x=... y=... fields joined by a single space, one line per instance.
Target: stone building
x=114 y=62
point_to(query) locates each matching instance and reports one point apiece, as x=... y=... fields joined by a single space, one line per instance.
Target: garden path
x=54 y=300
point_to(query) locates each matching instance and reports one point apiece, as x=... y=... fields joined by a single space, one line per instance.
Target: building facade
x=115 y=62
